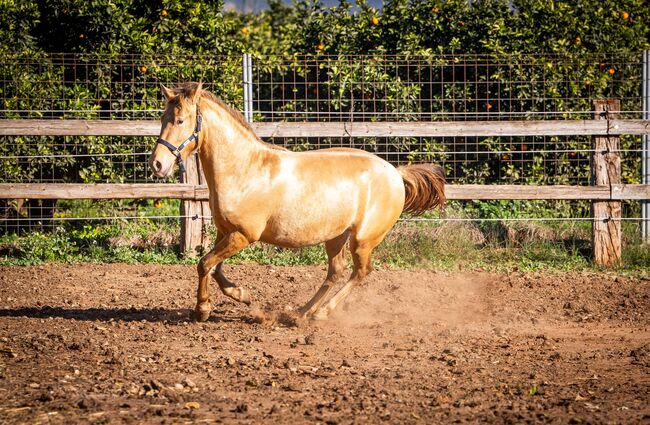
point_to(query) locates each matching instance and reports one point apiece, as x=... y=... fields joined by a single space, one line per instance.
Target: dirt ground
x=112 y=343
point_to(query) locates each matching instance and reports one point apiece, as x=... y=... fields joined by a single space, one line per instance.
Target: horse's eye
x=179 y=121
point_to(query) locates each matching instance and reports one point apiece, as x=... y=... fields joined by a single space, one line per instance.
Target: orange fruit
x=320 y=46
x=245 y=30
x=435 y=10
x=157 y=204
x=164 y=13
x=611 y=71
x=625 y=15
x=375 y=20
x=143 y=69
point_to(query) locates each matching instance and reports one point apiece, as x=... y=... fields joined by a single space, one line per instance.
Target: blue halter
x=176 y=150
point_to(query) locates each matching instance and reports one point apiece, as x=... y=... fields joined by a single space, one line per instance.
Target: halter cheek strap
x=176 y=150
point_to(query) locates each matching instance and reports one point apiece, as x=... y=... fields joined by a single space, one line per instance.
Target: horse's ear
x=196 y=93
x=167 y=92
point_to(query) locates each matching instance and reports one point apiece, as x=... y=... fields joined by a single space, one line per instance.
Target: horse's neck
x=227 y=148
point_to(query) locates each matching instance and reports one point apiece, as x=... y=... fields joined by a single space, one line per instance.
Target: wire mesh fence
x=459 y=87
x=325 y=88
x=95 y=86
x=317 y=88
x=477 y=160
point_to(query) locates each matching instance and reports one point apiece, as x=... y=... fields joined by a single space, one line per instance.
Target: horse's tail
x=425 y=187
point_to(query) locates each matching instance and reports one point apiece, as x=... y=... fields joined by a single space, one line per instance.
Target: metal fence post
x=645 y=156
x=247 y=82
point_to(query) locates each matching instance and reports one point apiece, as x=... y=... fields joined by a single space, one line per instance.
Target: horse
x=266 y=193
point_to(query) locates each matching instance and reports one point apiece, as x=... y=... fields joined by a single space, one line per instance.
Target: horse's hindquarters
x=329 y=194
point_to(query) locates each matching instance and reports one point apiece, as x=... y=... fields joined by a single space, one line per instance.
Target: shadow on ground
x=170 y=316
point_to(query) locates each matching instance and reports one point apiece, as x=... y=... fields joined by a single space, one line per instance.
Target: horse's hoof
x=320 y=314
x=201 y=314
x=244 y=296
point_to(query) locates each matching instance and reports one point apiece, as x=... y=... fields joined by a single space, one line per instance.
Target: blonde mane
x=185 y=91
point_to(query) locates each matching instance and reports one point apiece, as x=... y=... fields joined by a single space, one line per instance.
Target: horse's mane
x=185 y=90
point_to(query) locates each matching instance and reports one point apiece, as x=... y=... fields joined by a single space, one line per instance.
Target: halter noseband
x=176 y=150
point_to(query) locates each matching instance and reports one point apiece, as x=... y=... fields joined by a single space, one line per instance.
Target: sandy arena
x=112 y=343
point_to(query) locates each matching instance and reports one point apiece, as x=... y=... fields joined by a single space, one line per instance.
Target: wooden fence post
x=606 y=171
x=194 y=214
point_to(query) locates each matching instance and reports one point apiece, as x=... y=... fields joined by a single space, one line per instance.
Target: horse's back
x=321 y=194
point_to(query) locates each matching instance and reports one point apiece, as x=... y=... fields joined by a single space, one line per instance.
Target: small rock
x=192 y=405
x=45 y=396
x=156 y=385
x=300 y=340
x=241 y=408
x=310 y=339
x=87 y=402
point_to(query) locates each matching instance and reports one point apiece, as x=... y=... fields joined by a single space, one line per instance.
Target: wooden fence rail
x=188 y=192
x=38 y=127
x=606 y=192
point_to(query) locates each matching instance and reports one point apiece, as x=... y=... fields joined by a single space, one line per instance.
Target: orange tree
x=190 y=39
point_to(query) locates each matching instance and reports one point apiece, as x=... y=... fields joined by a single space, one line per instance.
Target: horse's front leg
x=228 y=288
x=227 y=246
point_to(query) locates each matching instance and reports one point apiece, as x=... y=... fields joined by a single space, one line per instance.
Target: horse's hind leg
x=226 y=247
x=230 y=289
x=361 y=251
x=335 y=249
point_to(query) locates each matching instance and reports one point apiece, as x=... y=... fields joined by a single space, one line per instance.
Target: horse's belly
x=308 y=226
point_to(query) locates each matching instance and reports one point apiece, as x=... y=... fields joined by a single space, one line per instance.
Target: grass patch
x=452 y=245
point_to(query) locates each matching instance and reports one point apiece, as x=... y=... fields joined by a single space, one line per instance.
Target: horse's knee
x=204 y=267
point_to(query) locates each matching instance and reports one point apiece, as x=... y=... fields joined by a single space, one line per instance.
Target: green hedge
x=416 y=27
x=585 y=50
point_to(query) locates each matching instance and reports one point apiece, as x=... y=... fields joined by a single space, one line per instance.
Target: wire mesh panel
x=459 y=87
x=94 y=86
x=315 y=88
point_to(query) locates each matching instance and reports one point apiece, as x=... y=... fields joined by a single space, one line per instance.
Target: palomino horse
x=259 y=192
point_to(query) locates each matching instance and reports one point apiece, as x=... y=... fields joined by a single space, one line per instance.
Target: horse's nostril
x=157 y=166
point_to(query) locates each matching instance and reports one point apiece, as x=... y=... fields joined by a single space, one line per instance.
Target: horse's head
x=180 y=128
